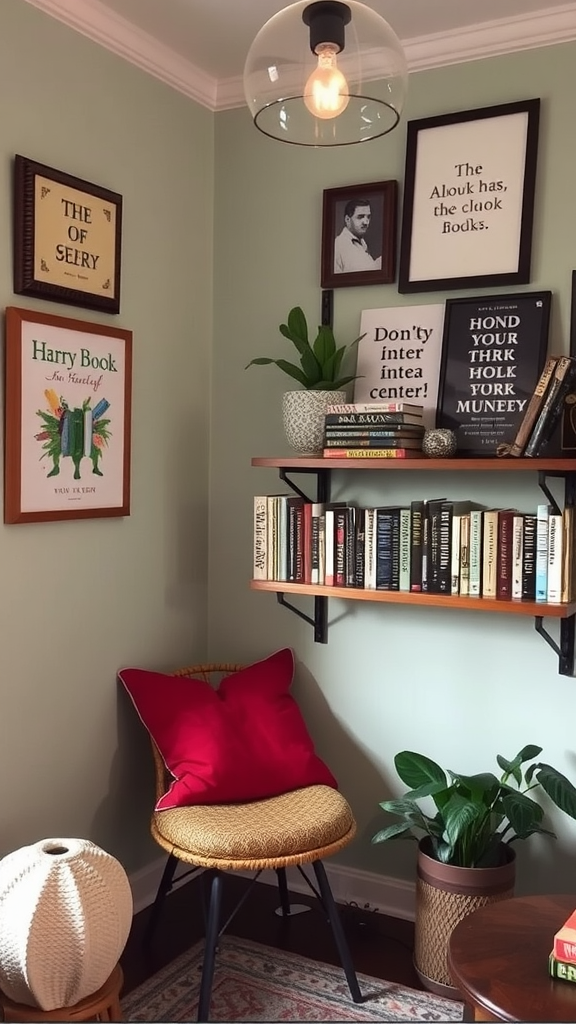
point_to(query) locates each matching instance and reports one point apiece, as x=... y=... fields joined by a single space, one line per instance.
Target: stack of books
x=562 y=959
x=545 y=406
x=379 y=430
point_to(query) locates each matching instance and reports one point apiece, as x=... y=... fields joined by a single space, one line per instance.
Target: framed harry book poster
x=493 y=351
x=67 y=238
x=67 y=418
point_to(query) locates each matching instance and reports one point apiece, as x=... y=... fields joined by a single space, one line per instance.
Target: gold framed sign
x=67 y=238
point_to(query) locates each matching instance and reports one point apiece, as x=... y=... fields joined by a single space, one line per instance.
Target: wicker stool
x=103 y=1005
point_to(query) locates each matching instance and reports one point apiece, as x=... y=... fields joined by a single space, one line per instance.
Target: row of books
x=378 y=430
x=437 y=546
x=545 y=406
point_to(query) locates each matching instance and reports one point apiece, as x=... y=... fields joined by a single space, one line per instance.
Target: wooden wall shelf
x=321 y=468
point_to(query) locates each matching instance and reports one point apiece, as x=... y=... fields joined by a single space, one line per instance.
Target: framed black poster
x=469 y=190
x=493 y=351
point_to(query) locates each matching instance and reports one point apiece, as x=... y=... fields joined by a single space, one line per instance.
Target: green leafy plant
x=475 y=814
x=320 y=361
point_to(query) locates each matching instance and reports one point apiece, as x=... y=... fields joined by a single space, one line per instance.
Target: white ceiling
x=199 y=46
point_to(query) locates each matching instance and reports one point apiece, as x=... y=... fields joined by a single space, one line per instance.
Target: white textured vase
x=303 y=414
x=65 y=916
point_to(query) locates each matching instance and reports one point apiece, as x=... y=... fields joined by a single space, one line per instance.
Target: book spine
x=317 y=513
x=282 y=539
x=561 y=969
x=425 y=547
x=271 y=523
x=476 y=545
x=533 y=408
x=552 y=407
x=383 y=549
x=322 y=549
x=390 y=440
x=370 y=549
x=299 y=540
x=433 y=563
x=293 y=566
x=445 y=548
x=490 y=553
x=568 y=552
x=362 y=407
x=307 y=536
x=369 y=433
x=416 y=514
x=340 y=547
x=359 y=547
x=404 y=578
x=464 y=581
x=529 y=558
x=455 y=555
x=329 y=533
x=554 y=572
x=370 y=419
x=504 y=555
x=564 y=950
x=517 y=555
x=259 y=570
x=350 y=546
x=372 y=453
x=542 y=513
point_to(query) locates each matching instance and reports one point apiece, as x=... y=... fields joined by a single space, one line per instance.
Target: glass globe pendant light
x=325 y=74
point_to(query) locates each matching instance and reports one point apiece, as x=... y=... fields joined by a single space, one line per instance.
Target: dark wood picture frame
x=68 y=387
x=379 y=242
x=67 y=238
x=468 y=209
x=493 y=351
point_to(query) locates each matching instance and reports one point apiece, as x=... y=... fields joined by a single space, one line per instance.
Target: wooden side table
x=103 y=1005
x=498 y=958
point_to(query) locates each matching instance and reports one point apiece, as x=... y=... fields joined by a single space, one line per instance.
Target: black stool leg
x=283 y=889
x=337 y=931
x=163 y=890
x=211 y=942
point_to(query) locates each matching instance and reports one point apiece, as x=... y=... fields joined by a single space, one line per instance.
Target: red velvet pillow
x=244 y=741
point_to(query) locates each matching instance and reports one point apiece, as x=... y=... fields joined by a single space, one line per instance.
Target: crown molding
x=488 y=39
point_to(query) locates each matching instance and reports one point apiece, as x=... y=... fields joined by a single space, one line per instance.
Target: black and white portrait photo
x=359 y=234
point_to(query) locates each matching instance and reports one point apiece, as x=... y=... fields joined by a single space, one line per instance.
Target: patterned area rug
x=257 y=983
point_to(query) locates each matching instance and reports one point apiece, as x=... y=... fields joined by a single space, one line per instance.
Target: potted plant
x=465 y=854
x=320 y=376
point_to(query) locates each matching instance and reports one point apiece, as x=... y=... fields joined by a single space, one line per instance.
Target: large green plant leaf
x=482 y=786
x=417 y=770
x=400 y=828
x=458 y=815
x=524 y=815
x=324 y=345
x=558 y=787
x=311 y=367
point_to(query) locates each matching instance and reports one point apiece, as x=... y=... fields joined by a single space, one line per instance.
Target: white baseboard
x=387 y=895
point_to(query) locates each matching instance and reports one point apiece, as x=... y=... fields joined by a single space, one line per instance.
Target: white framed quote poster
x=399 y=357
x=469 y=198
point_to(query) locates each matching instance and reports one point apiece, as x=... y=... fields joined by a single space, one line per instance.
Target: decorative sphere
x=439 y=443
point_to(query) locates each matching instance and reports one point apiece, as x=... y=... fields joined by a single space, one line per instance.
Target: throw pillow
x=245 y=740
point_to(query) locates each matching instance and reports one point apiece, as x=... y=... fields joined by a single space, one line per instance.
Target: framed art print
x=67 y=418
x=493 y=352
x=469 y=198
x=359 y=234
x=67 y=238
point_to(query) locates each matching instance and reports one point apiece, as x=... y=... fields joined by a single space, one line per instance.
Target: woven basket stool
x=103 y=1005
x=300 y=827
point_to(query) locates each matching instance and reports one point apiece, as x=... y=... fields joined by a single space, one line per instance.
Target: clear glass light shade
x=334 y=96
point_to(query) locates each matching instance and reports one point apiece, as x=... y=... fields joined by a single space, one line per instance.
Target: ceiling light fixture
x=325 y=74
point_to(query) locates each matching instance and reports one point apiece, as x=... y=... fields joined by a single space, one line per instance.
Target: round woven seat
x=299 y=827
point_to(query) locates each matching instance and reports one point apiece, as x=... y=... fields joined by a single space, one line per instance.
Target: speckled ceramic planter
x=303 y=413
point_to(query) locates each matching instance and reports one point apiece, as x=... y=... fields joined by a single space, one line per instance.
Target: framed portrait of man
x=359 y=234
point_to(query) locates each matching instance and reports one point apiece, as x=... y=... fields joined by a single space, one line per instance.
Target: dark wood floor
x=380 y=946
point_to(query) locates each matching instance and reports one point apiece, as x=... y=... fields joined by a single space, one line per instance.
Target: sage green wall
x=459 y=686
x=78 y=600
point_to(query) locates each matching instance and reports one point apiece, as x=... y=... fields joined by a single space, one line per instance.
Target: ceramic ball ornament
x=439 y=443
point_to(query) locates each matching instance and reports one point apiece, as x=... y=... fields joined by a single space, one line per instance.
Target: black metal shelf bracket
x=322 y=483
x=565 y=649
x=548 y=493
x=320 y=620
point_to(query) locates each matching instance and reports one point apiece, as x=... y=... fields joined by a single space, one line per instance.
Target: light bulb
x=326 y=91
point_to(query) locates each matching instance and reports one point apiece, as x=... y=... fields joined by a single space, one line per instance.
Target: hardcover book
x=416 y=516
x=259 y=571
x=372 y=453
x=529 y=559
x=562 y=380
x=372 y=419
x=542 y=513
x=533 y=408
x=554 y=570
